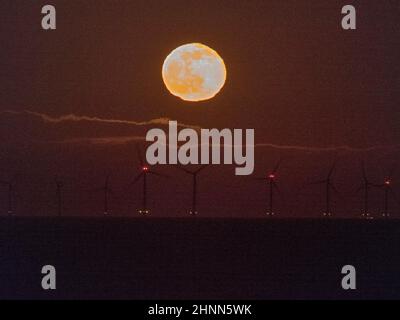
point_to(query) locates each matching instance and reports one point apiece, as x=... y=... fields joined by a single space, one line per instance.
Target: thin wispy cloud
x=79 y=118
x=121 y=140
x=343 y=148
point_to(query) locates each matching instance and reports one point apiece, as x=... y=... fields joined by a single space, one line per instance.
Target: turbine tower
x=107 y=191
x=144 y=172
x=388 y=191
x=366 y=186
x=329 y=187
x=273 y=186
x=10 y=187
x=193 y=210
x=59 y=186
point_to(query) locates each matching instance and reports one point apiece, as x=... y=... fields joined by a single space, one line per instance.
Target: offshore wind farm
x=385 y=191
x=241 y=150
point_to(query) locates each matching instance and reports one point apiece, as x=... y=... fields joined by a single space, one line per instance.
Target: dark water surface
x=120 y=258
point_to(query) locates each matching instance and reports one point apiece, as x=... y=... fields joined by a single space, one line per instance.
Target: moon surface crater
x=194 y=72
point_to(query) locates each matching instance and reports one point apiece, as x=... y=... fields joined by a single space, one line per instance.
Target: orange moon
x=194 y=72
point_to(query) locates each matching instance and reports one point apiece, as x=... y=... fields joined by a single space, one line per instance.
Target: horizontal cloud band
x=118 y=140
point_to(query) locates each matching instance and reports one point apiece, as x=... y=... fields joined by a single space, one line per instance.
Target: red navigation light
x=145 y=168
x=387 y=182
x=271 y=176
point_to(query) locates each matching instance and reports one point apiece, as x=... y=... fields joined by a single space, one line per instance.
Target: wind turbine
x=144 y=172
x=271 y=180
x=387 y=187
x=106 y=189
x=59 y=186
x=193 y=209
x=10 y=187
x=366 y=185
x=329 y=187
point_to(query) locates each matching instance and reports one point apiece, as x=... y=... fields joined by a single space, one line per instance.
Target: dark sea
x=198 y=258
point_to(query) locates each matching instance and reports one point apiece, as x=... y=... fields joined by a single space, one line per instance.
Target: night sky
x=312 y=91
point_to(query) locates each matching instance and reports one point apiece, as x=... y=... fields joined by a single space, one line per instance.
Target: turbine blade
x=277 y=166
x=332 y=169
x=180 y=167
x=275 y=185
x=336 y=191
x=135 y=180
x=201 y=168
x=359 y=189
x=158 y=174
x=394 y=195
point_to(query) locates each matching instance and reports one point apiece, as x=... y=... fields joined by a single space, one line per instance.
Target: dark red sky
x=294 y=76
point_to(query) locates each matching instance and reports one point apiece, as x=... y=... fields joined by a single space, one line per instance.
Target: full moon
x=194 y=72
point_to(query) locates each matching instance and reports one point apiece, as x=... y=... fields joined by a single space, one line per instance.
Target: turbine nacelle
x=271 y=176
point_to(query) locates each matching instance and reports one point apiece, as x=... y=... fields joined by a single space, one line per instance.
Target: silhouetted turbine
x=145 y=170
x=329 y=186
x=271 y=179
x=106 y=189
x=193 y=209
x=366 y=185
x=387 y=186
x=10 y=187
